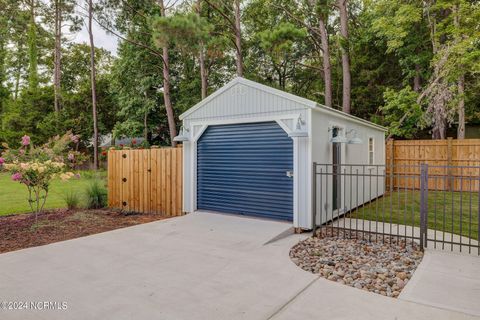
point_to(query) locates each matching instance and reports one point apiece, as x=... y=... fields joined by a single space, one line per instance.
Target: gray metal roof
x=285 y=95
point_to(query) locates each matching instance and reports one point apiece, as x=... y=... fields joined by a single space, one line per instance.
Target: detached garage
x=249 y=148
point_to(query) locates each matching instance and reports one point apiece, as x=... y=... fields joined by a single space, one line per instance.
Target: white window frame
x=371 y=151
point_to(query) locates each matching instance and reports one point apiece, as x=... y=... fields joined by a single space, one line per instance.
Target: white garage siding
x=353 y=154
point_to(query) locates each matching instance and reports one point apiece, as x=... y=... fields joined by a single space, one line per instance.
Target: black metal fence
x=432 y=206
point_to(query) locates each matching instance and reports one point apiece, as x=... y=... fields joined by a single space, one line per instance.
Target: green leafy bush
x=96 y=194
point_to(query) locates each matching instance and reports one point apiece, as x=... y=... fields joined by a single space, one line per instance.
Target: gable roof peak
x=252 y=84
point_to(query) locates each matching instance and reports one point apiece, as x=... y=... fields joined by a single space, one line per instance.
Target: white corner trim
x=283 y=125
x=296 y=171
x=199 y=133
x=311 y=221
x=193 y=180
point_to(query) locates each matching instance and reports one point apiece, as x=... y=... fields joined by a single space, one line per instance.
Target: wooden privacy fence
x=453 y=165
x=146 y=180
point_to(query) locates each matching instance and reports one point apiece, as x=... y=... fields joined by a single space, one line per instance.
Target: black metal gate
x=433 y=206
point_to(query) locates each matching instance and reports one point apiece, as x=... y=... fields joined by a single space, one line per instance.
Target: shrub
x=96 y=194
x=35 y=167
x=72 y=199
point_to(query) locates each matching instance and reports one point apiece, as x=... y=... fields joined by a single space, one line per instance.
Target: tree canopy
x=414 y=65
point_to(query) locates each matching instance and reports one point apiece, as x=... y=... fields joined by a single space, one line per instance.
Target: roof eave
x=320 y=107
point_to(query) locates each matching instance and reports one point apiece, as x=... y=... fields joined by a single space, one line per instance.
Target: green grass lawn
x=404 y=207
x=13 y=195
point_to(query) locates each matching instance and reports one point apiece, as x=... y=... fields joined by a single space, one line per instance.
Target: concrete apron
x=201 y=266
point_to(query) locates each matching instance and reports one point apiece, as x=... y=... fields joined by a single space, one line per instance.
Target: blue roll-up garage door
x=242 y=169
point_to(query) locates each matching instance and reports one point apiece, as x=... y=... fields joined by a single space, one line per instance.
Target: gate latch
x=289 y=174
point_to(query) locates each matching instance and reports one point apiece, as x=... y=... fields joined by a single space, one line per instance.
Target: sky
x=100 y=38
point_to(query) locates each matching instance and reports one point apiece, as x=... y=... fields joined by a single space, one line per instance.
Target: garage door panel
x=265 y=181
x=241 y=209
x=277 y=168
x=278 y=195
x=243 y=149
x=242 y=169
x=239 y=140
x=248 y=206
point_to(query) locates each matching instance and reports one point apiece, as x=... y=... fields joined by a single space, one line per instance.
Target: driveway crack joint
x=286 y=304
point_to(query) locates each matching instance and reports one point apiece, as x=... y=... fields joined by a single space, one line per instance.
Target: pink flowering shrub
x=35 y=167
x=25 y=140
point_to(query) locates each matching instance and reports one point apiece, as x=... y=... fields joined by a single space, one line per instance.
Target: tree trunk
x=417 y=85
x=145 y=125
x=461 y=108
x=17 y=82
x=166 y=86
x=201 y=61
x=57 y=55
x=4 y=90
x=327 y=68
x=347 y=81
x=18 y=68
x=93 y=84
x=32 y=50
x=203 y=73
x=460 y=84
x=238 y=38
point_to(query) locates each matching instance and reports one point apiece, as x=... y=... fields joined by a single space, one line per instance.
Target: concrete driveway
x=200 y=266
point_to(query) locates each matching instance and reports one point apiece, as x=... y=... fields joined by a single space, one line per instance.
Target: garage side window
x=370 y=151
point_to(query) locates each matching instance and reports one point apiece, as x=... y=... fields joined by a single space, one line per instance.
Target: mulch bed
x=20 y=231
x=357 y=260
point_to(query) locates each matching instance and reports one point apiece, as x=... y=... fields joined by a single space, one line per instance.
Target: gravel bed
x=351 y=259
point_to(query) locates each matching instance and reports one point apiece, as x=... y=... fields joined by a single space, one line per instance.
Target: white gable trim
x=252 y=84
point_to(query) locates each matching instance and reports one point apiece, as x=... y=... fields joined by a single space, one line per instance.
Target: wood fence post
x=449 y=163
x=391 y=142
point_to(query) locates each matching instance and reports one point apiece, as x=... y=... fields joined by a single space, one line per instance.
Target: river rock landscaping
x=383 y=265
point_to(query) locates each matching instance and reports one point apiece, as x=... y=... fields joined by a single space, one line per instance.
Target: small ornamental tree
x=35 y=167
